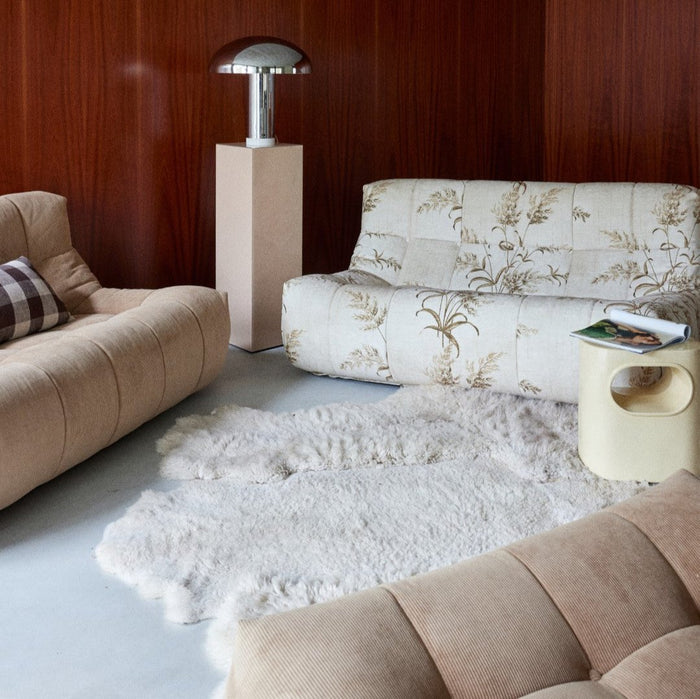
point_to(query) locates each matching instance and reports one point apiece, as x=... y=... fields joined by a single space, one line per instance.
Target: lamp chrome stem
x=261 y=118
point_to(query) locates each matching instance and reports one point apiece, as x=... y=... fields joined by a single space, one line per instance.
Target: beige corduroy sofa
x=123 y=357
x=478 y=283
x=606 y=607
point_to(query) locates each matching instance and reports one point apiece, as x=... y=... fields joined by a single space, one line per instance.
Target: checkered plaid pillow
x=27 y=303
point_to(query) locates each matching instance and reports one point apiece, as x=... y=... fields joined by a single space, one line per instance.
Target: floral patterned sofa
x=478 y=283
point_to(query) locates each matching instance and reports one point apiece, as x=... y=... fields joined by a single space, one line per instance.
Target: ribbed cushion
x=33 y=431
x=667 y=667
x=480 y=616
x=590 y=610
x=363 y=647
x=631 y=594
x=670 y=518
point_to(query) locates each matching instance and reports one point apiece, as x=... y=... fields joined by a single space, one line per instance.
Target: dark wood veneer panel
x=622 y=100
x=111 y=104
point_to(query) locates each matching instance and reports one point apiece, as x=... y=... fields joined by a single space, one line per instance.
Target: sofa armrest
x=678 y=306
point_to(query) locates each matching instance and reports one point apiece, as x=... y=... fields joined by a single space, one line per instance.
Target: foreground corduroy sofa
x=478 y=283
x=122 y=357
x=604 y=607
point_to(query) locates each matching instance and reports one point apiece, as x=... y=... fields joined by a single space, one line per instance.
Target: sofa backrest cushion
x=35 y=225
x=600 y=239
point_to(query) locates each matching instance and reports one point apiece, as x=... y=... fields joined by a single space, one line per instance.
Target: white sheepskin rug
x=276 y=511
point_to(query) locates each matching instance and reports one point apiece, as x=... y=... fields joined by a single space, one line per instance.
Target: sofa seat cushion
x=74 y=390
x=27 y=303
x=669 y=664
x=666 y=667
x=11 y=347
x=353 y=324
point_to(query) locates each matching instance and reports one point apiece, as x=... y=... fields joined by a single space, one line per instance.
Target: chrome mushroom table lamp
x=260 y=57
x=258 y=197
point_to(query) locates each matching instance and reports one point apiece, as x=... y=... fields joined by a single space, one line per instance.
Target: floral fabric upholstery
x=478 y=283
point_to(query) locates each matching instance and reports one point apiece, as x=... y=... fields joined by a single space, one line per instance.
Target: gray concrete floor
x=69 y=631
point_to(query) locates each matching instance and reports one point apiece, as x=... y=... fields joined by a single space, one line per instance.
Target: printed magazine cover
x=629 y=331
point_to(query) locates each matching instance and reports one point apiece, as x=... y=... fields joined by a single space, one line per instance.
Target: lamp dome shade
x=260 y=54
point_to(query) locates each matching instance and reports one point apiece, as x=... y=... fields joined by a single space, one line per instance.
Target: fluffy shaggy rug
x=275 y=511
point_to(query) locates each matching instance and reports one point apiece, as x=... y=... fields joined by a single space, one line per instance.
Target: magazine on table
x=629 y=331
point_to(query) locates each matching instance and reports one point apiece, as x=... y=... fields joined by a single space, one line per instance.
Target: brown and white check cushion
x=27 y=303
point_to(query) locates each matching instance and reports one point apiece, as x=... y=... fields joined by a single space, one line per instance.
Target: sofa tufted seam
x=331 y=306
x=116 y=383
x=661 y=553
x=162 y=359
x=204 y=346
x=331 y=303
x=604 y=679
x=386 y=332
x=419 y=636
x=24 y=223
x=556 y=606
x=571 y=231
x=517 y=341
x=201 y=337
x=411 y=232
x=57 y=469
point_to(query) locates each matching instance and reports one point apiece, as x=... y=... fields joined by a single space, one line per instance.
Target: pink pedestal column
x=258 y=236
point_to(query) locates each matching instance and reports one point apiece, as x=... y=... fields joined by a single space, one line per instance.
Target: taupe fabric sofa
x=123 y=357
x=606 y=606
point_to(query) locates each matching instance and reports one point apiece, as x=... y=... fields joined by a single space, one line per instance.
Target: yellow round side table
x=640 y=433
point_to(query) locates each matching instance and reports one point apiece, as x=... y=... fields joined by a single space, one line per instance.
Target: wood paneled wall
x=111 y=104
x=622 y=90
